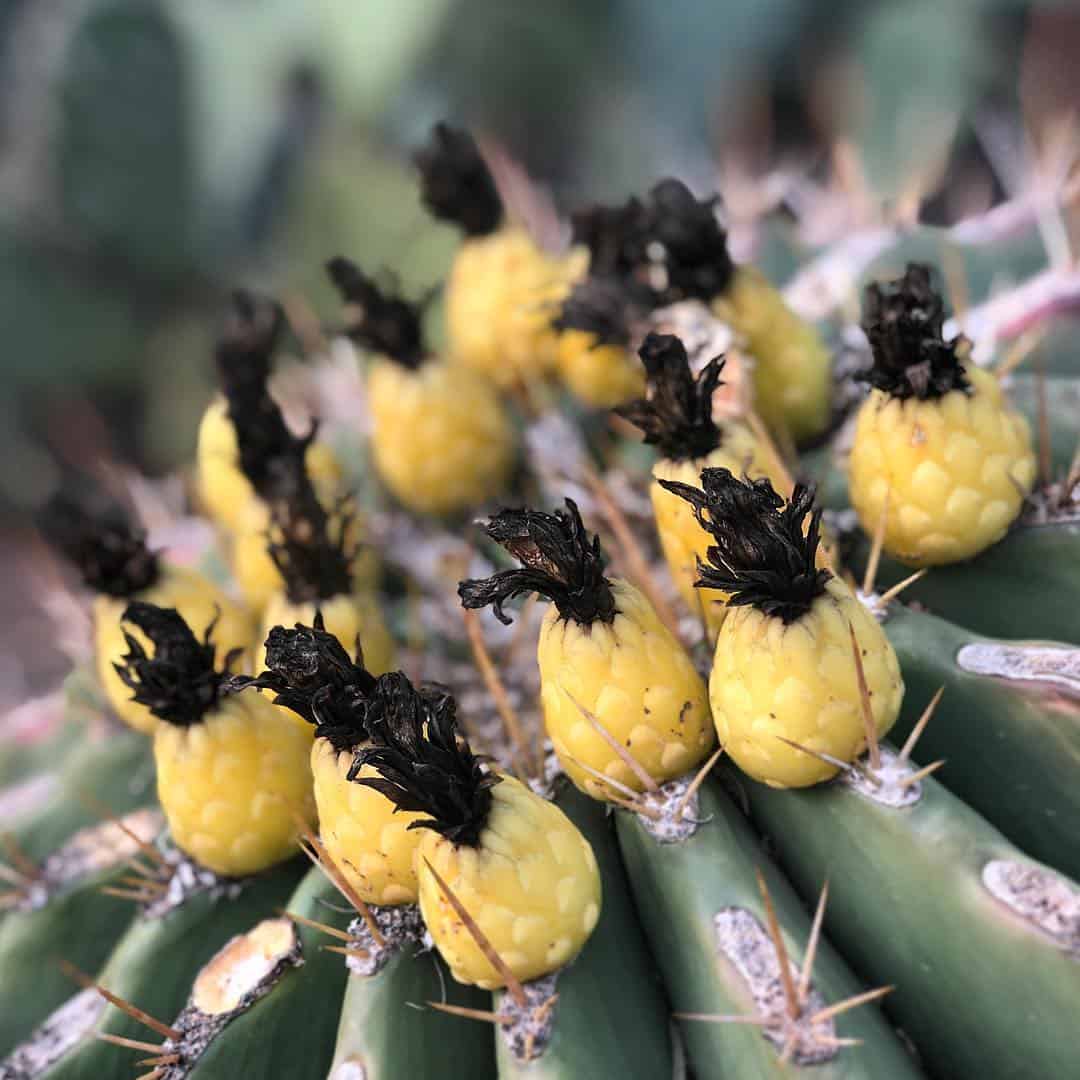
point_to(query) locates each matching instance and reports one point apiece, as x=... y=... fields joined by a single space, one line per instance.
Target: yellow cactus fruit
x=490 y=850
x=341 y=703
x=785 y=671
x=936 y=441
x=792 y=374
x=601 y=375
x=501 y=294
x=441 y=440
x=606 y=659
x=111 y=554
x=350 y=617
x=232 y=768
x=792 y=366
x=502 y=290
x=677 y=416
x=224 y=491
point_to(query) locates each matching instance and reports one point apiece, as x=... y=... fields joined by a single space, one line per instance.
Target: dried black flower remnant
x=388 y=325
x=457 y=185
x=602 y=307
x=99 y=538
x=695 y=246
x=559 y=562
x=904 y=321
x=310 y=672
x=617 y=237
x=761 y=556
x=313 y=557
x=424 y=764
x=676 y=415
x=179 y=683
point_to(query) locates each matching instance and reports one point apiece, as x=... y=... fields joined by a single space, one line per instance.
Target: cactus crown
x=677 y=413
x=695 y=246
x=314 y=564
x=103 y=543
x=179 y=683
x=424 y=764
x=762 y=556
x=559 y=562
x=904 y=320
x=456 y=184
x=310 y=673
x=385 y=324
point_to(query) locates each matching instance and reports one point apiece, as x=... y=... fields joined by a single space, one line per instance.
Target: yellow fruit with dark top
x=677 y=417
x=935 y=438
x=784 y=669
x=111 y=554
x=502 y=291
x=792 y=373
x=601 y=375
x=488 y=846
x=441 y=439
x=232 y=768
x=606 y=659
x=224 y=491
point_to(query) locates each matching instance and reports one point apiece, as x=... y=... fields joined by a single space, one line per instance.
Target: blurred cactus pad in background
x=542 y=540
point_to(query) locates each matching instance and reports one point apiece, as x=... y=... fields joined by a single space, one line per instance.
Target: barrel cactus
x=714 y=799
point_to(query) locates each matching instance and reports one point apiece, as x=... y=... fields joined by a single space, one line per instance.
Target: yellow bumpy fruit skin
x=501 y=295
x=231 y=785
x=346 y=617
x=256 y=575
x=224 y=491
x=799 y=681
x=198 y=600
x=637 y=680
x=532 y=886
x=442 y=441
x=957 y=469
x=370 y=843
x=683 y=540
x=602 y=376
x=792 y=367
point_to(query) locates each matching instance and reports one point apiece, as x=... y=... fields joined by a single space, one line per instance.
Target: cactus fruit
x=441 y=439
x=937 y=451
x=611 y=673
x=784 y=670
x=502 y=289
x=114 y=561
x=677 y=417
x=233 y=772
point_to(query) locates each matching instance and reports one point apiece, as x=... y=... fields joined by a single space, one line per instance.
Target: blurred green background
x=154 y=153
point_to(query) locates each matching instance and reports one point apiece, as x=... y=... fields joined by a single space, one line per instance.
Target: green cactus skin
x=155 y=962
x=612 y=1018
x=1011 y=748
x=385 y=1029
x=290 y=1032
x=81 y=924
x=679 y=887
x=981 y=992
x=117 y=768
x=1026 y=586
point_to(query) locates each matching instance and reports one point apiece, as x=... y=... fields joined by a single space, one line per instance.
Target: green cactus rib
x=1011 y=746
x=290 y=1031
x=1026 y=586
x=385 y=1030
x=980 y=991
x=680 y=888
x=612 y=1018
x=154 y=963
x=115 y=767
x=81 y=924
